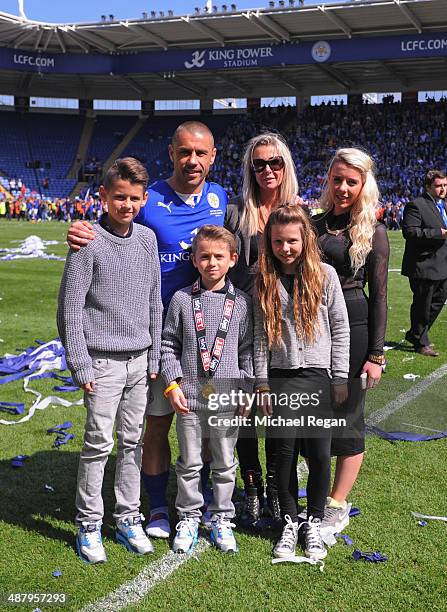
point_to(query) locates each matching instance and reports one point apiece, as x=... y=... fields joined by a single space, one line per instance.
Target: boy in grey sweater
x=207 y=365
x=109 y=320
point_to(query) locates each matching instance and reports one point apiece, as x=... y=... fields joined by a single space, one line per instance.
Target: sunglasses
x=274 y=163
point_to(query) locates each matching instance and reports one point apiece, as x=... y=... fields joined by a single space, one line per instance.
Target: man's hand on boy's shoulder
x=79 y=234
x=88 y=386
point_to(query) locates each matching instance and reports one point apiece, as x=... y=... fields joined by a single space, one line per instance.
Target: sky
x=65 y=11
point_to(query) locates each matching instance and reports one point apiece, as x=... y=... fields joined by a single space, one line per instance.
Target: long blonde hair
x=288 y=189
x=364 y=210
x=308 y=281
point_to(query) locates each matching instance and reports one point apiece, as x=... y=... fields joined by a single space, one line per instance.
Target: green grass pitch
x=37 y=530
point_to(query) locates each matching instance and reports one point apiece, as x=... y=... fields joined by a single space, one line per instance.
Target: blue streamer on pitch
x=58 y=428
x=62 y=438
x=372 y=557
x=15 y=367
x=12 y=407
x=19 y=461
x=405 y=436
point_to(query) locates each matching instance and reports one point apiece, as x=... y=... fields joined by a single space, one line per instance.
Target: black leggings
x=317 y=450
x=248 y=453
x=315 y=445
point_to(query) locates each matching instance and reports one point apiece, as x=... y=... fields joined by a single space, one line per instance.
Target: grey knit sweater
x=180 y=357
x=110 y=300
x=330 y=351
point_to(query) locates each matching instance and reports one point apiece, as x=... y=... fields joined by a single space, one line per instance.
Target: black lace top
x=374 y=272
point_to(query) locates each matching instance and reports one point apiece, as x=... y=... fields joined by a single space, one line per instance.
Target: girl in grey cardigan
x=301 y=348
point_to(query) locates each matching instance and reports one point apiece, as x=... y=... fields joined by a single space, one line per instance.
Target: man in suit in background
x=425 y=259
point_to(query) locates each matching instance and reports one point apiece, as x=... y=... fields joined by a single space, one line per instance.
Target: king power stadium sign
x=359 y=49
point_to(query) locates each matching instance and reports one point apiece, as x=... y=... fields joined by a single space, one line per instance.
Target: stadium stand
x=40 y=151
x=404 y=139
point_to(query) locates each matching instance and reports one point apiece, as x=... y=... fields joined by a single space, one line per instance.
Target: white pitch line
x=421 y=427
x=133 y=591
x=380 y=415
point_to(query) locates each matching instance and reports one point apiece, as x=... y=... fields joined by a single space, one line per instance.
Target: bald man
x=175 y=210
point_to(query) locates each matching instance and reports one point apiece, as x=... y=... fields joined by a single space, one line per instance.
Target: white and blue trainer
x=130 y=533
x=89 y=543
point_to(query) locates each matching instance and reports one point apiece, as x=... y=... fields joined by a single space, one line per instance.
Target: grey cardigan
x=330 y=350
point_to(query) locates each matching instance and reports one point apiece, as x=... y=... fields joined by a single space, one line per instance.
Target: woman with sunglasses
x=269 y=179
x=356 y=245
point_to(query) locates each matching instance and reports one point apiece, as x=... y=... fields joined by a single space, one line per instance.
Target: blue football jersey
x=175 y=224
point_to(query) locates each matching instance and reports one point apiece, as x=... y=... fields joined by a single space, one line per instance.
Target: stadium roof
x=274 y=25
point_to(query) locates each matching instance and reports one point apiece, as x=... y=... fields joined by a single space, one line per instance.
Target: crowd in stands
x=403 y=138
x=36 y=209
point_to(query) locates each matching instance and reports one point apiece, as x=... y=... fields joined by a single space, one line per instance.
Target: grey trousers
x=191 y=429
x=119 y=397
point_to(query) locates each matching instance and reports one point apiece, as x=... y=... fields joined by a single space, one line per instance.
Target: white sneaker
x=314 y=545
x=158 y=525
x=336 y=516
x=130 y=533
x=89 y=543
x=187 y=535
x=222 y=534
x=286 y=544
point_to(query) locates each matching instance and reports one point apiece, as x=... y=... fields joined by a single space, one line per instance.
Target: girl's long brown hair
x=308 y=282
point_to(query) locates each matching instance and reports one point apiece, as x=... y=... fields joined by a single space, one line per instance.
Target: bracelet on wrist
x=377 y=359
x=168 y=390
x=263 y=389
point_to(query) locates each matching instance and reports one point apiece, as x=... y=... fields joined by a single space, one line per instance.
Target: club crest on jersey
x=213 y=200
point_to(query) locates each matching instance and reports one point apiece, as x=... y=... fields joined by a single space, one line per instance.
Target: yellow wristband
x=168 y=390
x=264 y=389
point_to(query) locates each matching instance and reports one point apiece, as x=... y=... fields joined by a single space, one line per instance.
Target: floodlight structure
x=272 y=4
x=153 y=14
x=112 y=17
x=197 y=10
x=103 y=18
x=170 y=12
x=144 y=15
x=233 y=7
x=224 y=8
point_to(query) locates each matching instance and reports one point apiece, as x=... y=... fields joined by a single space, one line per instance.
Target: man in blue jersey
x=175 y=210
